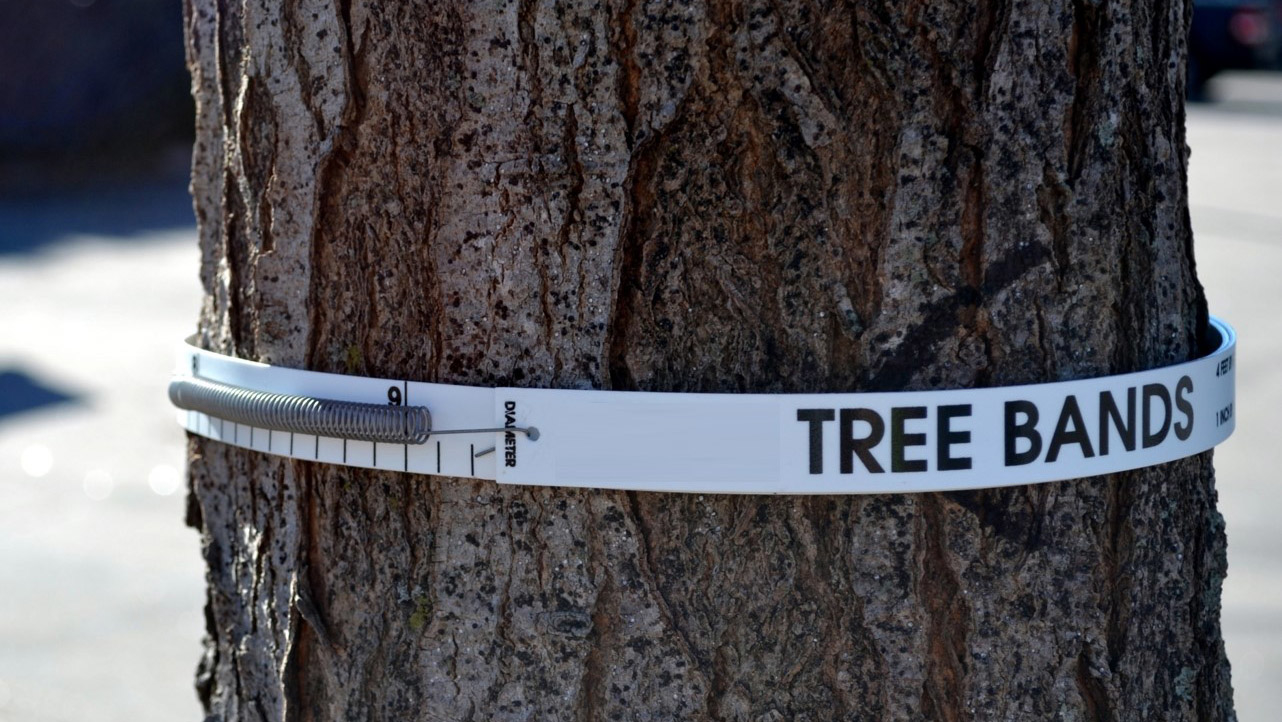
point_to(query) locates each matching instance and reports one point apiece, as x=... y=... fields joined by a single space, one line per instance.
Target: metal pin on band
x=531 y=432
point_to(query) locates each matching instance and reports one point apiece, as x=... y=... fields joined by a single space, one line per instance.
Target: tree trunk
x=757 y=196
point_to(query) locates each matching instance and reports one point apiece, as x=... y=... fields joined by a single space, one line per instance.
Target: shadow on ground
x=21 y=392
x=30 y=221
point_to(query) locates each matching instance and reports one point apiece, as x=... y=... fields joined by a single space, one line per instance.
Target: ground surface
x=101 y=584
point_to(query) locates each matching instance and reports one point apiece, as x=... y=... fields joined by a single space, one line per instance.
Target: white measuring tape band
x=843 y=443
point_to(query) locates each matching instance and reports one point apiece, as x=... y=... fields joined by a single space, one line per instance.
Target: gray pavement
x=1235 y=191
x=101 y=585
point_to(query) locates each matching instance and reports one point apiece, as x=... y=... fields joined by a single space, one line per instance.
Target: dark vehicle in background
x=1232 y=35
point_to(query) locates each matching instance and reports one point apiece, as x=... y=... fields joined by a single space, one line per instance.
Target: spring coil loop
x=303 y=414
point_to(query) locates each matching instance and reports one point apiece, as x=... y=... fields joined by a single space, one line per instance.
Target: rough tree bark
x=774 y=196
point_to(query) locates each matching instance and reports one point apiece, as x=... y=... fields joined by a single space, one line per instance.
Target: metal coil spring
x=303 y=414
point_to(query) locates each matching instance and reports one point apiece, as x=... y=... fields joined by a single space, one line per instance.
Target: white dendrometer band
x=841 y=443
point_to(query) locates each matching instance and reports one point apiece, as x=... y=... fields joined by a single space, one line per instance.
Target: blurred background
x=101 y=584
